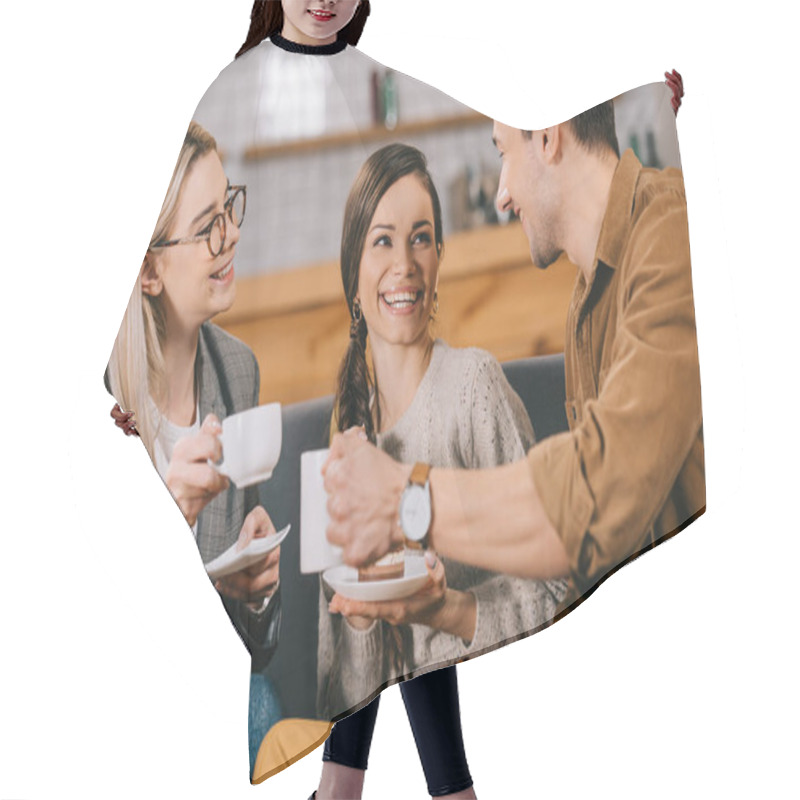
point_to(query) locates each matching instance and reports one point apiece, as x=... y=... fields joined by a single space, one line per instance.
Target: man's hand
x=364 y=486
x=259 y=580
x=191 y=480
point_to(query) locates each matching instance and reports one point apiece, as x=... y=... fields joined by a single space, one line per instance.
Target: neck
x=293 y=34
x=180 y=351
x=399 y=370
x=315 y=49
x=588 y=189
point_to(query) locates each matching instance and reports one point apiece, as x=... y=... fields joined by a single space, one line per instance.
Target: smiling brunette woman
x=420 y=401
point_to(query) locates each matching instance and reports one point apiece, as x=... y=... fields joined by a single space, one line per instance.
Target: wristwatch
x=415 y=514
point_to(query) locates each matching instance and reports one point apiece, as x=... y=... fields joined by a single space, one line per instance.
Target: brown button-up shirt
x=631 y=469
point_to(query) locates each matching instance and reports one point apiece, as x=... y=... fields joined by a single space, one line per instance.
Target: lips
x=401 y=299
x=321 y=16
x=223 y=274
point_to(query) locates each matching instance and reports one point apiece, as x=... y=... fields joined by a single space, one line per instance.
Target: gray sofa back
x=538 y=381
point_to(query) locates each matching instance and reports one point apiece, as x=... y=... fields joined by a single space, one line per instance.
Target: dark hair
x=378 y=174
x=594 y=129
x=266 y=19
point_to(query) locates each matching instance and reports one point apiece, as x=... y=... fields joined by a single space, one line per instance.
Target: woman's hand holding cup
x=190 y=478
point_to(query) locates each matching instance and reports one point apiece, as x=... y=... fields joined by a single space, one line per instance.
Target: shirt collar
x=307 y=49
x=617 y=219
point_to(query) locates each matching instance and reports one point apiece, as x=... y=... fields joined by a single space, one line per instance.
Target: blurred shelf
x=373 y=134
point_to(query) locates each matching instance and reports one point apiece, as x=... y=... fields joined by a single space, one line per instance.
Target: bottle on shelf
x=389 y=94
x=652 y=156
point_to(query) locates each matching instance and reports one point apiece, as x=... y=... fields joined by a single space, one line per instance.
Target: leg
x=263 y=712
x=346 y=754
x=433 y=711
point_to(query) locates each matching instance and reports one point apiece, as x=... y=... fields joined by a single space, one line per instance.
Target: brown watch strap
x=419 y=474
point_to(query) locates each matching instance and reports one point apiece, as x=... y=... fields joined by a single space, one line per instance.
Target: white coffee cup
x=316 y=552
x=251 y=444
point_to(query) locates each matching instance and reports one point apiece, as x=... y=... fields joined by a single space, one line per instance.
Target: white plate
x=344 y=580
x=232 y=560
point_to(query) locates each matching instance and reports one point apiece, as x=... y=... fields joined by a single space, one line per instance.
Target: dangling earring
x=435 y=303
x=355 y=321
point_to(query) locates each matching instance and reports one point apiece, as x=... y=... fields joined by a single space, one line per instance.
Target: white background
x=120 y=675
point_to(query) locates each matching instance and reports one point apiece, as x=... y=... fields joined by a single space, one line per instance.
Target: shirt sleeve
x=510 y=608
x=259 y=630
x=350 y=662
x=603 y=483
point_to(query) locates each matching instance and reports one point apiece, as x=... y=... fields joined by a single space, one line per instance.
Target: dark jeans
x=432 y=707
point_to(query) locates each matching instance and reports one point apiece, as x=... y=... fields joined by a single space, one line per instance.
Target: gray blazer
x=229 y=383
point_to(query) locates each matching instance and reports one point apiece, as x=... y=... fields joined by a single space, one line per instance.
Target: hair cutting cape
x=620 y=471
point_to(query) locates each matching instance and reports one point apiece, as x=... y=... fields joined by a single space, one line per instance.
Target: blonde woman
x=179 y=374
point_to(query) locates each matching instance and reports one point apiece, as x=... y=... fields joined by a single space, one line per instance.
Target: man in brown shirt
x=630 y=471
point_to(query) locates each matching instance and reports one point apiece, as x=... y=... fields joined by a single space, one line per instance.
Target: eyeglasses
x=214 y=234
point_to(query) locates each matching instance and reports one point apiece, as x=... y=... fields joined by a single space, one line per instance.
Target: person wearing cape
x=303 y=40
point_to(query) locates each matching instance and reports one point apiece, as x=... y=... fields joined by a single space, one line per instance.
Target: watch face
x=415 y=512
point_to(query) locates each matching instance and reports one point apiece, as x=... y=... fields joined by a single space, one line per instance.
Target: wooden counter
x=490 y=296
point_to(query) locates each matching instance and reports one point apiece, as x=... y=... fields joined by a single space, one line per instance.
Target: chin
x=224 y=302
x=542 y=260
x=537 y=260
x=542 y=265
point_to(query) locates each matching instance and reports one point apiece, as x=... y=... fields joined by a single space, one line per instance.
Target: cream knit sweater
x=464 y=415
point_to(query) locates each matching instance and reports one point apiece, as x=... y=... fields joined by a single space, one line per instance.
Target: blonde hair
x=136 y=370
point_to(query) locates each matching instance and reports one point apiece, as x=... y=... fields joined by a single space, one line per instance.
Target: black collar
x=308 y=49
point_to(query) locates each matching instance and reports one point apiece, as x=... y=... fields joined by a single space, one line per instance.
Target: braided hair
x=266 y=19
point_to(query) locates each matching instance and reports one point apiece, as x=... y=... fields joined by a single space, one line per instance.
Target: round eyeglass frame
x=218 y=225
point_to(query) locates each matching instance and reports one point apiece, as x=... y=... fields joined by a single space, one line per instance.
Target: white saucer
x=232 y=560
x=344 y=580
